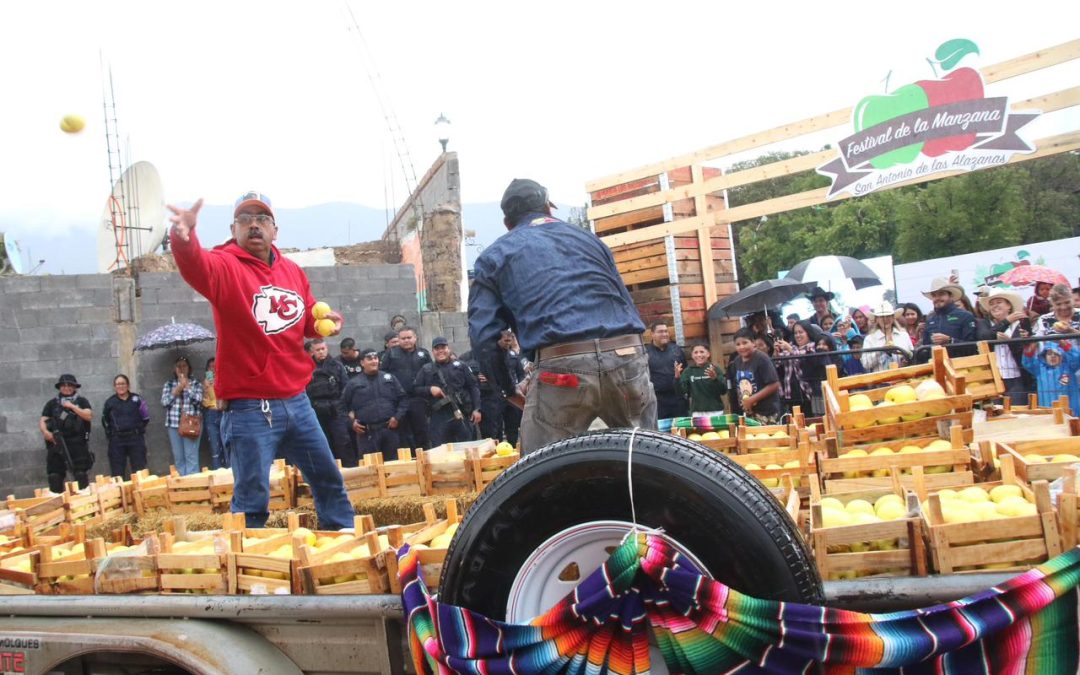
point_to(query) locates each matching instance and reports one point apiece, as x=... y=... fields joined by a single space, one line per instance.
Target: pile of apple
x=709 y=436
x=933 y=446
x=972 y=504
x=927 y=390
x=442 y=540
x=775 y=482
x=1034 y=458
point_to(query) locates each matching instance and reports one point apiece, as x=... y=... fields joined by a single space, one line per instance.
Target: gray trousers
x=616 y=388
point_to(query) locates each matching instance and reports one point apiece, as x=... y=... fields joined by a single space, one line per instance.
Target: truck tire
x=706 y=503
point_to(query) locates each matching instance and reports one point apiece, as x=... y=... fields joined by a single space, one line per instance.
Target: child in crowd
x=853 y=364
x=1054 y=366
x=755 y=382
x=701 y=383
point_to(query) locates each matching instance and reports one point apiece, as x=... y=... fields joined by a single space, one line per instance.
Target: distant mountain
x=333 y=224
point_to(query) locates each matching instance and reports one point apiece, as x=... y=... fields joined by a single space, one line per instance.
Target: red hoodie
x=261 y=316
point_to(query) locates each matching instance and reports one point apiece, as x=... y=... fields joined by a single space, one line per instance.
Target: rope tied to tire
x=1027 y=624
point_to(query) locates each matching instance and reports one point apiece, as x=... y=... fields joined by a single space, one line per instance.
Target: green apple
x=876 y=109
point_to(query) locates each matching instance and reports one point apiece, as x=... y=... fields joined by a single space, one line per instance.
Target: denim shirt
x=551 y=282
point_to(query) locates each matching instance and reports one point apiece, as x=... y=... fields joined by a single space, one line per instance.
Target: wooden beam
x=1047 y=103
x=1051 y=145
x=1020 y=65
x=708 y=270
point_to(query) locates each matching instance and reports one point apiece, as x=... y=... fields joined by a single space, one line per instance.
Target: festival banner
x=927 y=127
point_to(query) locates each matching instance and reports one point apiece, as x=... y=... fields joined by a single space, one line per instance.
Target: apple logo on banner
x=276 y=309
x=926 y=127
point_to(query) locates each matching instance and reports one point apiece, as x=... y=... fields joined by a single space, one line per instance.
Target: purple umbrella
x=173 y=335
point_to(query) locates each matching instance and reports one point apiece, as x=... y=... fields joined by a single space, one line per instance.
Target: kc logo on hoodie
x=276 y=309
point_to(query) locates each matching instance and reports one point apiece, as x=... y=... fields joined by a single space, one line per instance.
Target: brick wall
x=87 y=325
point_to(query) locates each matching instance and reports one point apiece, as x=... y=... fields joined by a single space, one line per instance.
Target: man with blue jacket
x=557 y=287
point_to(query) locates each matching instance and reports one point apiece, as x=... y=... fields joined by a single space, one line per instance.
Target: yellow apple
x=860 y=402
x=1011 y=506
x=986 y=510
x=927 y=387
x=859 y=506
x=1065 y=458
x=752 y=467
x=1000 y=492
x=694 y=437
x=831 y=503
x=780 y=434
x=1034 y=459
x=891 y=511
x=973 y=494
x=903 y=393
x=710 y=436
x=725 y=434
x=835 y=518
x=887 y=419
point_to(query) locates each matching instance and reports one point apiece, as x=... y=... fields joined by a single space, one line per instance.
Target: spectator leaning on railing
x=1063 y=318
x=1007 y=320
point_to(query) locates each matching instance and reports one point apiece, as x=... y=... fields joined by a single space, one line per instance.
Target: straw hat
x=940 y=284
x=1013 y=298
x=884 y=309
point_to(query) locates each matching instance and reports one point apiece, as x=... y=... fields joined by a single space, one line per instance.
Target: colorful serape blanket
x=1027 y=625
x=704 y=422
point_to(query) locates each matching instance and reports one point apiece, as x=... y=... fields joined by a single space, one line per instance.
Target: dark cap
x=389 y=336
x=524 y=195
x=439 y=342
x=368 y=351
x=67 y=378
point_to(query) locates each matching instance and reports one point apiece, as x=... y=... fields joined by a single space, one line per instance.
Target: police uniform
x=461 y=394
x=373 y=400
x=71 y=433
x=511 y=413
x=125 y=426
x=324 y=390
x=493 y=405
x=405 y=366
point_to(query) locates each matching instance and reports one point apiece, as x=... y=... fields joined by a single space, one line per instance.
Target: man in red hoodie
x=261 y=303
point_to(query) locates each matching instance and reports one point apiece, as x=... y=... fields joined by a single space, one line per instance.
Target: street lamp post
x=442 y=130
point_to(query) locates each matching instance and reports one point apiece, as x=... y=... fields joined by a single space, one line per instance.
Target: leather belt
x=589 y=346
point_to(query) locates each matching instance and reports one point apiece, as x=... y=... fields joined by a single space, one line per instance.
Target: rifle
x=453 y=399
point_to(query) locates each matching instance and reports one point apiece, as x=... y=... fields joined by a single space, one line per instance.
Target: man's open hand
x=183 y=220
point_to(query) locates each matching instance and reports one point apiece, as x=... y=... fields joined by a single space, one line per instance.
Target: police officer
x=404 y=362
x=557 y=286
x=493 y=403
x=125 y=417
x=324 y=390
x=453 y=393
x=65 y=425
x=376 y=402
x=948 y=323
x=390 y=340
x=519 y=370
x=350 y=357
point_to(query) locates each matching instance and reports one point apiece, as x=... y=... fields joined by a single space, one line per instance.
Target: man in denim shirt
x=557 y=287
x=947 y=324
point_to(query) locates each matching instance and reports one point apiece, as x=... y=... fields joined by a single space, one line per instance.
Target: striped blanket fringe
x=1026 y=625
x=704 y=422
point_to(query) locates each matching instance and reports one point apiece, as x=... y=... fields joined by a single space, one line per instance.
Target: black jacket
x=327 y=383
x=123 y=416
x=405 y=366
x=374 y=399
x=462 y=386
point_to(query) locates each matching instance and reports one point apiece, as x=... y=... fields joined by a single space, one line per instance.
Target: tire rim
x=559 y=564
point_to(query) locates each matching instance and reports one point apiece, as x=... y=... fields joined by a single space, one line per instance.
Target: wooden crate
x=194 y=565
x=1007 y=543
x=38 y=515
x=259 y=568
x=190 y=494
x=888 y=548
x=397 y=478
x=757 y=454
x=982 y=378
x=281 y=487
x=221 y=491
x=760 y=443
x=150 y=492
x=110 y=497
x=363 y=572
x=71 y=574
x=873 y=424
x=1069 y=508
x=18 y=574
x=1033 y=407
x=1033 y=470
x=443 y=469
x=426 y=537
x=129 y=568
x=362 y=482
x=485 y=469
x=850 y=474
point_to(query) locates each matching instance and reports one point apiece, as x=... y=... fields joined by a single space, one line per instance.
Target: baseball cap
x=368 y=351
x=253 y=198
x=439 y=342
x=524 y=195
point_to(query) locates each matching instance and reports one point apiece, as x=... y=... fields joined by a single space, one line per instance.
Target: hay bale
x=410 y=509
x=107 y=529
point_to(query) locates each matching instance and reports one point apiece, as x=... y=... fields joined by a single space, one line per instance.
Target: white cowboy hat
x=1013 y=298
x=940 y=284
x=884 y=309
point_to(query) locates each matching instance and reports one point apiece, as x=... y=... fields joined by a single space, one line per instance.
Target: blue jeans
x=212 y=427
x=185 y=452
x=253 y=430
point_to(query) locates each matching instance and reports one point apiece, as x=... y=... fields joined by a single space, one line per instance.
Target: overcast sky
x=277 y=96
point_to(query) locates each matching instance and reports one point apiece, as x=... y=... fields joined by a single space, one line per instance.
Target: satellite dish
x=133 y=222
x=11 y=260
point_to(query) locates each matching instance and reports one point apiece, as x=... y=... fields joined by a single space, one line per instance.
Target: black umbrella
x=826 y=267
x=759 y=296
x=173 y=335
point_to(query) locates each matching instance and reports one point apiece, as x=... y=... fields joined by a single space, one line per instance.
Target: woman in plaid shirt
x=182 y=395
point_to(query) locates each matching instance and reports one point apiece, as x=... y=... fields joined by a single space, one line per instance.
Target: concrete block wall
x=52 y=325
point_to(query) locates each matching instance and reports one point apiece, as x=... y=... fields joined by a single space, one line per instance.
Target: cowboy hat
x=1013 y=298
x=819 y=292
x=939 y=284
x=884 y=309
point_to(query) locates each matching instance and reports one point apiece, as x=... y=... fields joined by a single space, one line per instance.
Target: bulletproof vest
x=125 y=414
